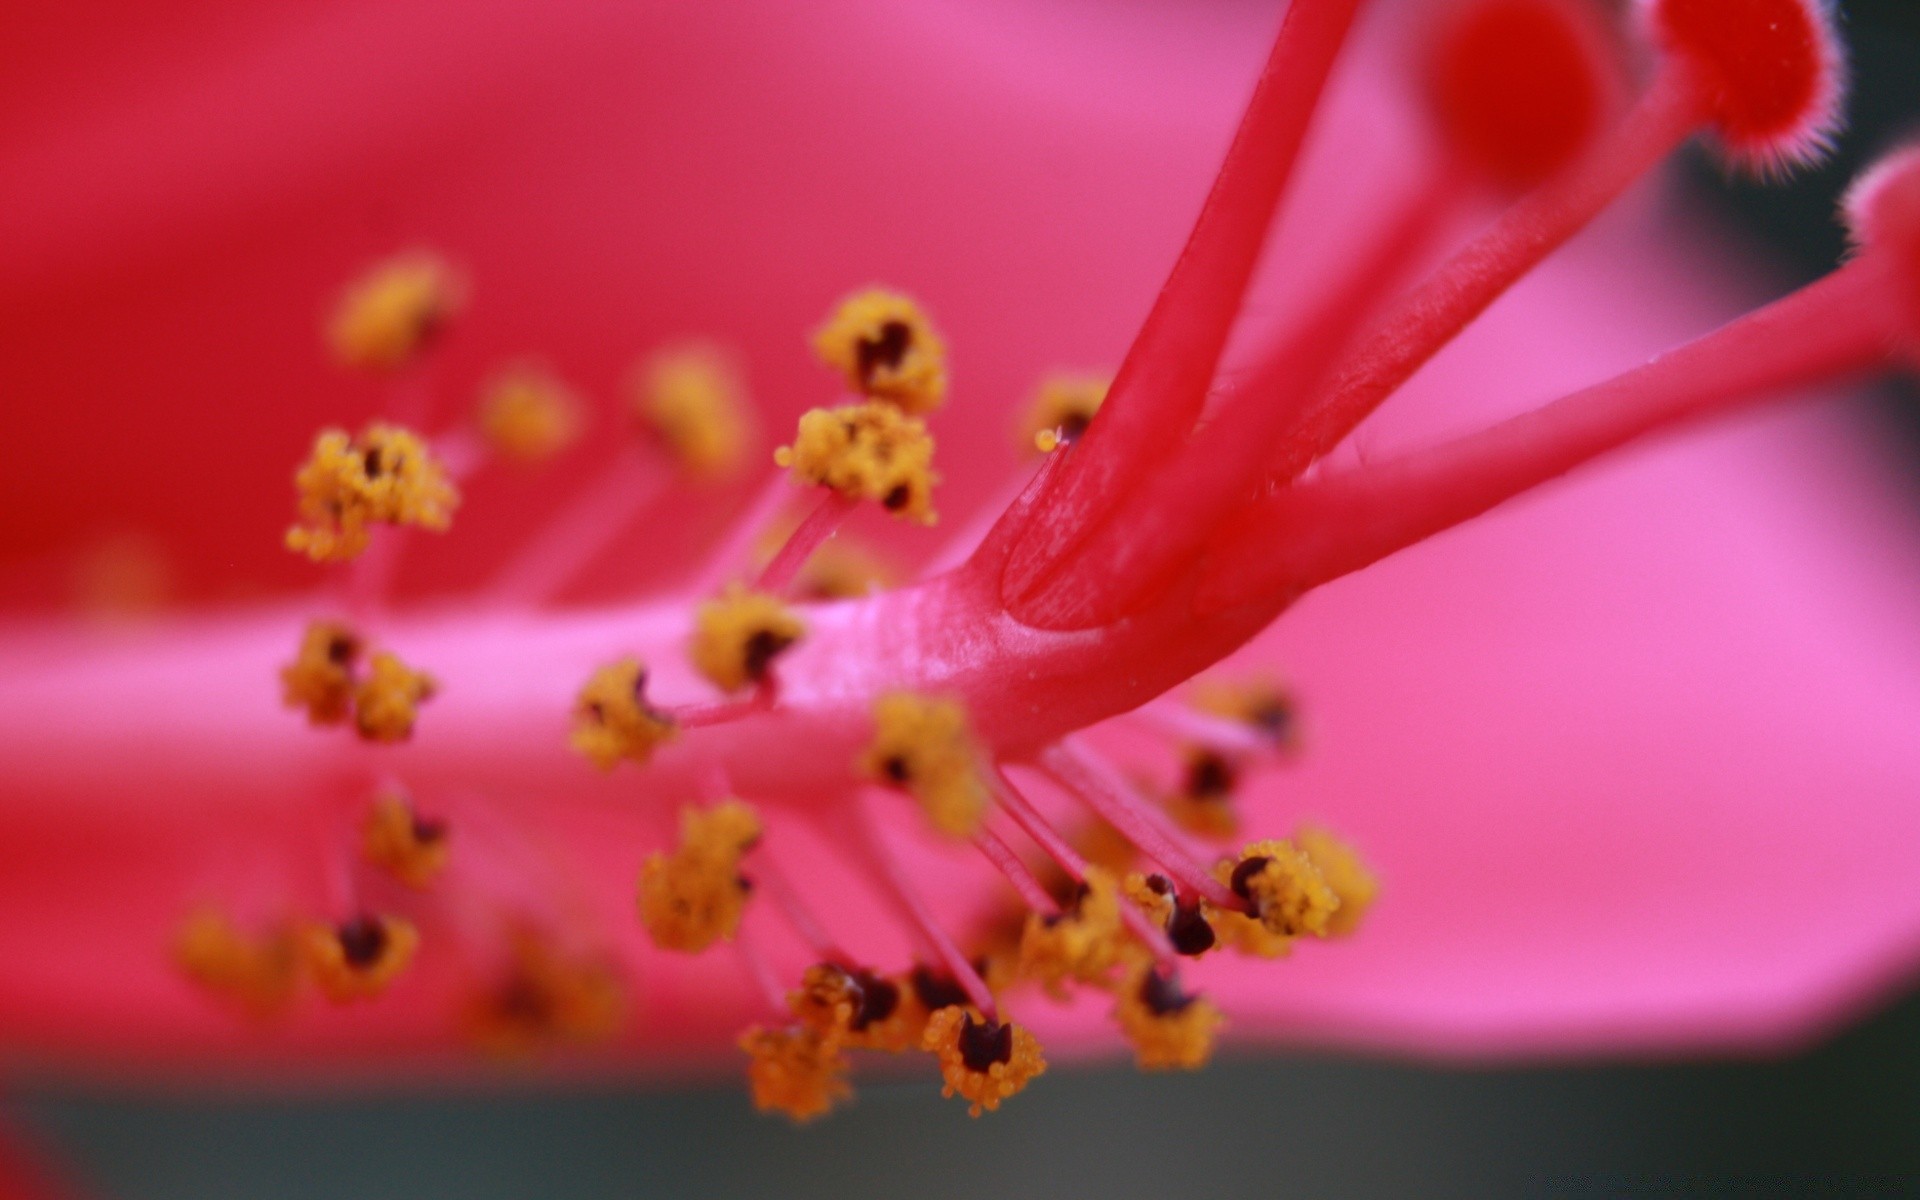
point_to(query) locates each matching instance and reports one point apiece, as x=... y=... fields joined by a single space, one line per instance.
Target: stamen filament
x=761 y=699
x=888 y=872
x=1318 y=530
x=765 y=872
x=1094 y=784
x=736 y=549
x=820 y=524
x=584 y=528
x=757 y=969
x=1001 y=855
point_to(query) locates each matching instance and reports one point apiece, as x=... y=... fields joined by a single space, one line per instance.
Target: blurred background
x=1251 y=1125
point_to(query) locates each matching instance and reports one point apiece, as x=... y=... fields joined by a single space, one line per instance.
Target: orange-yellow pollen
x=1285 y=894
x=1169 y=1029
x=387 y=702
x=692 y=400
x=795 y=1071
x=1339 y=864
x=1203 y=804
x=256 y=971
x=612 y=719
x=543 y=996
x=694 y=897
x=529 y=416
x=1082 y=943
x=399 y=841
x=1262 y=703
x=737 y=637
x=1062 y=409
x=857 y=1008
x=982 y=1062
x=870 y=451
x=386 y=318
x=347 y=485
x=887 y=349
x=360 y=957
x=925 y=746
x=320 y=679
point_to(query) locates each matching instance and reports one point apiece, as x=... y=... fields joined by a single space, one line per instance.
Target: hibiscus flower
x=1630 y=755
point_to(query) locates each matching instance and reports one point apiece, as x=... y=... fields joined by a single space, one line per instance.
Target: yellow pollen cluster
x=347 y=485
x=359 y=958
x=402 y=843
x=1286 y=896
x=923 y=744
x=983 y=1062
x=1263 y=703
x=797 y=1071
x=527 y=415
x=257 y=972
x=737 y=637
x=858 y=1008
x=1204 y=803
x=320 y=679
x=612 y=720
x=387 y=702
x=1081 y=943
x=1169 y=1029
x=1062 y=409
x=885 y=346
x=544 y=996
x=693 y=897
x=386 y=318
x=869 y=451
x=1349 y=878
x=693 y=401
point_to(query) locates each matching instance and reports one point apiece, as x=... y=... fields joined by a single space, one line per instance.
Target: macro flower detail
x=857 y=758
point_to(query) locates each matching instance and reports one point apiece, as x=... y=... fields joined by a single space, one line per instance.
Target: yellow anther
x=1079 y=944
x=693 y=401
x=1349 y=878
x=1286 y=896
x=1063 y=409
x=737 y=637
x=389 y=315
x=693 y=897
x=528 y=415
x=387 y=702
x=385 y=476
x=1261 y=702
x=795 y=1071
x=983 y=1062
x=885 y=346
x=857 y=1008
x=923 y=745
x=544 y=996
x=612 y=720
x=1170 y=1029
x=1204 y=804
x=399 y=841
x=258 y=972
x=869 y=451
x=320 y=678
x=358 y=958
x=842 y=569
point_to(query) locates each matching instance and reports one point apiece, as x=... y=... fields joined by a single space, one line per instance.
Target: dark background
x=1848 y=1110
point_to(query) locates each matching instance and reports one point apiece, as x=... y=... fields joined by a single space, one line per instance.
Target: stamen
x=795 y=1071
x=695 y=896
x=1031 y=891
x=1081 y=943
x=387 y=702
x=855 y=1007
x=1339 y=864
x=528 y=416
x=257 y=972
x=385 y=476
x=820 y=524
x=885 y=346
x=612 y=719
x=320 y=679
x=543 y=995
x=1062 y=409
x=738 y=637
x=870 y=451
x=1184 y=918
x=1171 y=1030
x=360 y=957
x=387 y=319
x=692 y=400
x=1099 y=787
x=411 y=848
x=886 y=869
x=1203 y=803
x=924 y=745
x=982 y=1061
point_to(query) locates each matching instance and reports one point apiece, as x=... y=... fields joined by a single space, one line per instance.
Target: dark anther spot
x=341 y=650
x=362 y=940
x=595 y=711
x=372 y=458
x=1188 y=930
x=984 y=1043
x=1162 y=995
x=744 y=885
x=874 y=999
x=1210 y=776
x=896 y=769
x=1071 y=906
x=1274 y=718
x=1159 y=885
x=1244 y=873
x=428 y=829
x=936 y=991
x=761 y=649
x=885 y=350
x=524 y=1002
x=1073 y=426
x=897 y=498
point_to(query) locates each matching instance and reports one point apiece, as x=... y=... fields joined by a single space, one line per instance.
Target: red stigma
x=1520 y=86
x=1770 y=71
